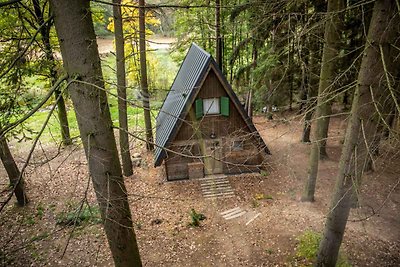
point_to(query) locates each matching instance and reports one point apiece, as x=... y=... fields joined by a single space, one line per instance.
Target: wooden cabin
x=202 y=128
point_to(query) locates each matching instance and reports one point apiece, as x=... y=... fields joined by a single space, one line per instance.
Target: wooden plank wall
x=226 y=128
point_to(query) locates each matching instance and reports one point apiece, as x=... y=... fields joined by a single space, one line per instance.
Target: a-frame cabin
x=202 y=127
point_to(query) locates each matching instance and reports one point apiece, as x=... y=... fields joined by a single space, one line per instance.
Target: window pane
x=211 y=106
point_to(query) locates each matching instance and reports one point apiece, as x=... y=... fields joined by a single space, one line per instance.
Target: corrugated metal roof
x=188 y=77
x=182 y=93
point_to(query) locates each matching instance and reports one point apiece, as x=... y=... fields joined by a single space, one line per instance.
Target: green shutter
x=224 y=106
x=199 y=108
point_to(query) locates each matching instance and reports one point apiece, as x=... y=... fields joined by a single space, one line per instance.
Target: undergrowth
x=196 y=218
x=307 y=250
x=79 y=215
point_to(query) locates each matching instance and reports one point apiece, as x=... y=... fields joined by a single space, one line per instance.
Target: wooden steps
x=216 y=186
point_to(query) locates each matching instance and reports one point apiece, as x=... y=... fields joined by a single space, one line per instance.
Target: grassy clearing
x=160 y=86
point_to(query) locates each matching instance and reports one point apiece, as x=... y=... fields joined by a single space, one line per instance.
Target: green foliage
x=308 y=245
x=196 y=218
x=53 y=133
x=38 y=214
x=40 y=211
x=307 y=249
x=269 y=251
x=261 y=196
x=79 y=215
x=30 y=220
x=265 y=74
x=157 y=79
x=255 y=203
x=160 y=81
x=25 y=76
x=101 y=14
x=258 y=197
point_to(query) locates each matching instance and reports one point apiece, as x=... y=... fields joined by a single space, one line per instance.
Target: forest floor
x=30 y=236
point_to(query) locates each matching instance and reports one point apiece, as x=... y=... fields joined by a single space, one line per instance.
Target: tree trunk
x=61 y=109
x=359 y=133
x=82 y=62
x=143 y=76
x=249 y=104
x=305 y=138
x=390 y=118
x=314 y=52
x=16 y=180
x=329 y=58
x=290 y=63
x=311 y=93
x=345 y=101
x=121 y=85
x=269 y=102
x=62 y=114
x=303 y=88
x=218 y=38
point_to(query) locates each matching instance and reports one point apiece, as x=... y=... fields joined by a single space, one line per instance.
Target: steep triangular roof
x=181 y=96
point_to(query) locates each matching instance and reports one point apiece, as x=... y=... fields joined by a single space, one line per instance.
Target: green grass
x=52 y=133
x=75 y=215
x=307 y=250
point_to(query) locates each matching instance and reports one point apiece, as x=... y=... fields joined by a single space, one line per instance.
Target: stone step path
x=233 y=213
x=216 y=186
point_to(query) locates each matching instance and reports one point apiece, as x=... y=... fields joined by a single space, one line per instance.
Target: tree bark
x=290 y=63
x=305 y=138
x=311 y=93
x=14 y=175
x=332 y=37
x=143 y=75
x=303 y=88
x=360 y=131
x=218 y=37
x=329 y=59
x=48 y=51
x=250 y=104
x=121 y=87
x=82 y=62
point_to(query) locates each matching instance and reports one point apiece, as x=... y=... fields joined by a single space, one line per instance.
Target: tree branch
x=26 y=48
x=11 y=126
x=10 y=2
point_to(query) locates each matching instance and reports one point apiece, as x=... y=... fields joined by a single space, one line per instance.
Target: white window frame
x=211 y=106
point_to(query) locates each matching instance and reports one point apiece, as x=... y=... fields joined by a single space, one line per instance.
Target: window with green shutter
x=199 y=108
x=224 y=106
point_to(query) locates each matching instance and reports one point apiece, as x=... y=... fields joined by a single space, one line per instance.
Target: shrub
x=307 y=249
x=79 y=216
x=196 y=218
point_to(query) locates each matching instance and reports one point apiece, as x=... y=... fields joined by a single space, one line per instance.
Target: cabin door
x=212 y=163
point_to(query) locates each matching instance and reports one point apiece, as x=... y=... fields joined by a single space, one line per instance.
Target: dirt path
x=161 y=211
